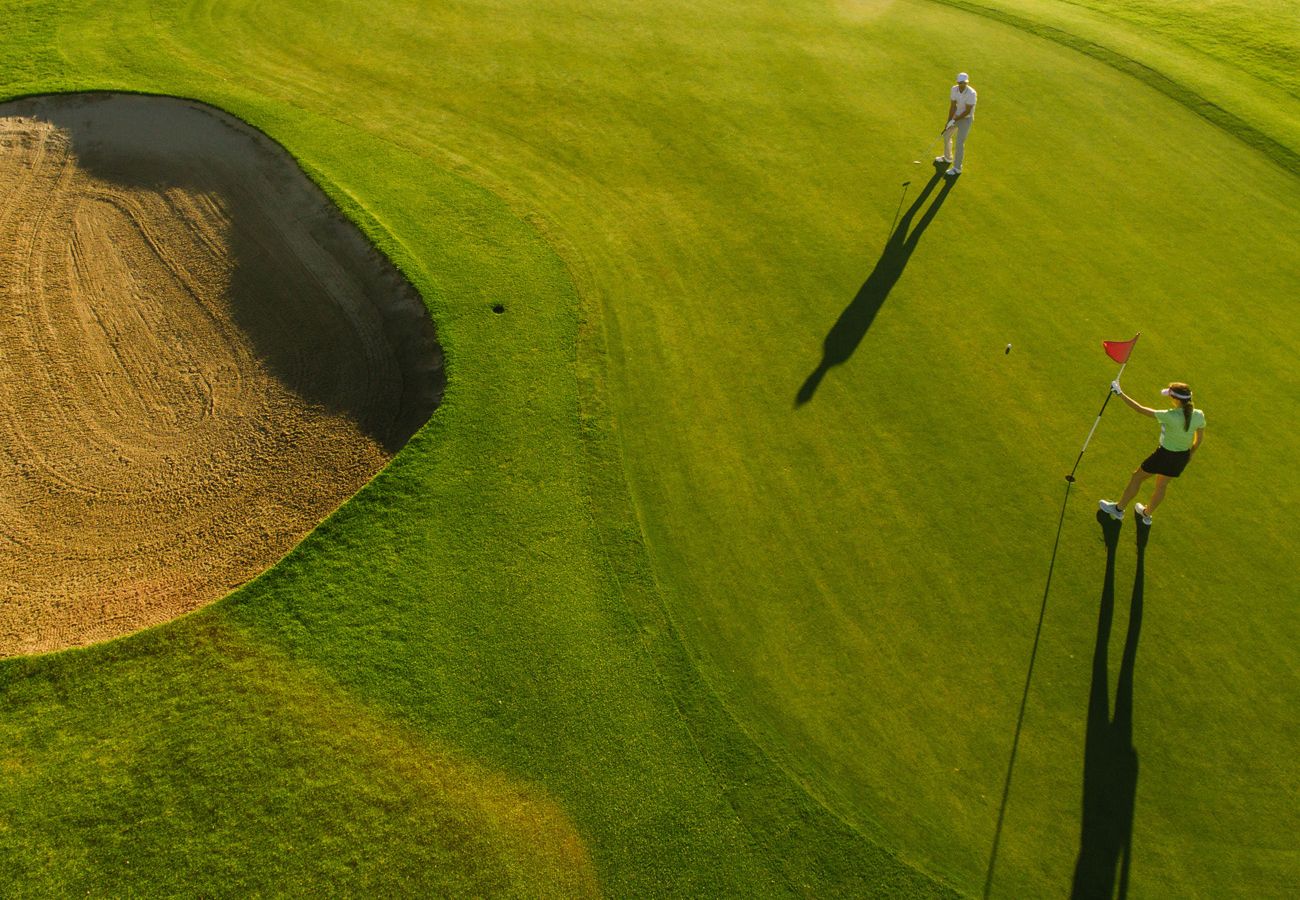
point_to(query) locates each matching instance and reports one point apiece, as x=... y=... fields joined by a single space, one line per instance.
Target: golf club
x=946 y=128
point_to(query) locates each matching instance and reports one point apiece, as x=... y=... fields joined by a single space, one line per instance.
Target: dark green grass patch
x=208 y=766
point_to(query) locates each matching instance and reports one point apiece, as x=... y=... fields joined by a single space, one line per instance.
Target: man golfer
x=961 y=114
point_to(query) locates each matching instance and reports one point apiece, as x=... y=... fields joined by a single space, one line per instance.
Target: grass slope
x=1228 y=60
x=857 y=578
x=1260 y=37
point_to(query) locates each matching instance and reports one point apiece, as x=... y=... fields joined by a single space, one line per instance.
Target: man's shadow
x=852 y=325
x=1110 y=761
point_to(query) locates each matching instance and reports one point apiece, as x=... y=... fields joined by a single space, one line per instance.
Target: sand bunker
x=200 y=359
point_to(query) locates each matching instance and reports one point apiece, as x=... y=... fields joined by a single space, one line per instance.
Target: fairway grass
x=1227 y=60
x=628 y=618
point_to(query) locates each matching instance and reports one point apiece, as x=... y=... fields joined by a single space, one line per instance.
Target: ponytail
x=1188 y=408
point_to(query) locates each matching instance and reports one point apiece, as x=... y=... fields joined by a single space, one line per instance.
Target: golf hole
x=200 y=360
x=498 y=308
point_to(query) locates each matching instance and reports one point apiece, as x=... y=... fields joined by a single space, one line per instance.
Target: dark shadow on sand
x=1110 y=761
x=378 y=364
x=852 y=325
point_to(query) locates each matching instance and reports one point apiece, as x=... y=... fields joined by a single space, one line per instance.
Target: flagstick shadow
x=852 y=325
x=1024 y=698
x=1110 y=761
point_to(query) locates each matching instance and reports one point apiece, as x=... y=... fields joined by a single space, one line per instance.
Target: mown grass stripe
x=815 y=851
x=1285 y=157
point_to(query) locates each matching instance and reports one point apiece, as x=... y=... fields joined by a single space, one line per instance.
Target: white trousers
x=957 y=134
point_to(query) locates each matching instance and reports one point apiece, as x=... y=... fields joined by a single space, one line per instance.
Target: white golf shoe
x=952 y=171
x=1110 y=509
x=943 y=159
x=1143 y=515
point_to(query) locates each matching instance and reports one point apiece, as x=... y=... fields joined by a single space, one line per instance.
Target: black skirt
x=1166 y=462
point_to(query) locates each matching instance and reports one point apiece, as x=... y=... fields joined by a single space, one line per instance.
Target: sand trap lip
x=200 y=359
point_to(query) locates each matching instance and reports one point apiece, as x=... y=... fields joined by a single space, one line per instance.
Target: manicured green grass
x=1261 y=37
x=208 y=765
x=799 y=646
x=1231 y=61
x=861 y=576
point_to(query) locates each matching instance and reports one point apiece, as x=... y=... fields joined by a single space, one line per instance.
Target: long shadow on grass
x=852 y=325
x=1110 y=761
x=1024 y=698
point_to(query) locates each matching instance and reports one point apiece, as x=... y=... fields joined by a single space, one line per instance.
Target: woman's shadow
x=852 y=325
x=1110 y=761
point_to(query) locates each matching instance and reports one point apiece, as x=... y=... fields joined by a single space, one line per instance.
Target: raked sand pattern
x=200 y=359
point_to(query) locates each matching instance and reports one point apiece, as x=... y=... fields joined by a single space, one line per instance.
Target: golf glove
x=1115 y=388
x=950 y=125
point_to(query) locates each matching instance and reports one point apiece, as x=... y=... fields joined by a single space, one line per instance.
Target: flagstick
x=1109 y=394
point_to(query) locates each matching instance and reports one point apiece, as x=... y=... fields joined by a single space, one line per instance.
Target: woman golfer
x=1182 y=428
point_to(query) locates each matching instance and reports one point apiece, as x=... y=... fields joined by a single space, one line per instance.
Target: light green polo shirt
x=1172 y=435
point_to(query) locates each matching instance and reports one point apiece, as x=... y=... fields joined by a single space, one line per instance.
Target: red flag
x=1119 y=350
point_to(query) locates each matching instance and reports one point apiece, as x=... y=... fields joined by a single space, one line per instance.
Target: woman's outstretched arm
x=1133 y=404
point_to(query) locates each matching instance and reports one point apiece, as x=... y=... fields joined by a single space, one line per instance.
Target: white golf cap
x=962 y=78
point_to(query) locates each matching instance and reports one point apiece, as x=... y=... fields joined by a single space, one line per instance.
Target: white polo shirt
x=964 y=99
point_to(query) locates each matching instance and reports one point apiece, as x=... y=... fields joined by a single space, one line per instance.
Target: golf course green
x=738 y=559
